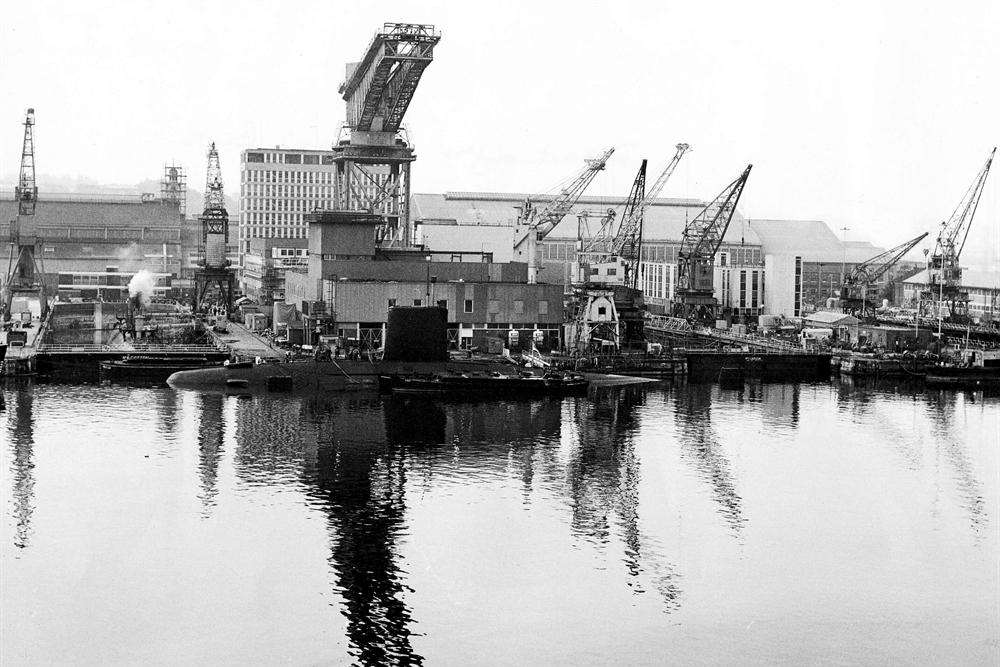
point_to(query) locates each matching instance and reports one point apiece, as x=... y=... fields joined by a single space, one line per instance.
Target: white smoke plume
x=141 y=286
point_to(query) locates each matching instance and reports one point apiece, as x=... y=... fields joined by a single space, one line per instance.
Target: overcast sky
x=871 y=115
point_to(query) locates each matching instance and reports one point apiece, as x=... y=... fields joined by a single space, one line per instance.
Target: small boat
x=150 y=367
x=492 y=384
x=956 y=376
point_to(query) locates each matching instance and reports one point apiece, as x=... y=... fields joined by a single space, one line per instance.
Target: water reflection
x=361 y=464
x=693 y=414
x=211 y=440
x=603 y=476
x=21 y=431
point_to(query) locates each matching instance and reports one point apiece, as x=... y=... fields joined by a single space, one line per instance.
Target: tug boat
x=492 y=384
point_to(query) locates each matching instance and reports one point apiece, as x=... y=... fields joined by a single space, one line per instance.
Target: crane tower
x=25 y=277
x=696 y=257
x=214 y=271
x=944 y=286
x=373 y=153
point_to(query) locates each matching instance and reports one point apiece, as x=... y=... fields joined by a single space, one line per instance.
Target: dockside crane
x=854 y=293
x=25 y=275
x=944 y=283
x=627 y=243
x=696 y=258
x=534 y=222
x=596 y=247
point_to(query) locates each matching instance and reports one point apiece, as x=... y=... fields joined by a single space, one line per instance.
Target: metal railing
x=90 y=348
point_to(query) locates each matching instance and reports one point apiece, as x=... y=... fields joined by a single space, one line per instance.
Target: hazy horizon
x=874 y=116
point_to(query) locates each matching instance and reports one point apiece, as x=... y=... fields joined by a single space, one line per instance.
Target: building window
x=418 y=302
x=601 y=310
x=494 y=306
x=543 y=307
x=743 y=289
x=613 y=271
x=443 y=303
x=468 y=305
x=392 y=303
x=722 y=259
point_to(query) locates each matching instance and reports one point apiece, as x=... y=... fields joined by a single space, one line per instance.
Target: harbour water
x=777 y=523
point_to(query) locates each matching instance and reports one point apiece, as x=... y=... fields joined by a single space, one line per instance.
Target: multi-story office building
x=278 y=188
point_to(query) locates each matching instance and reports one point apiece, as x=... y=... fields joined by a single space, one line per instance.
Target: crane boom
x=545 y=219
x=960 y=222
x=535 y=223
x=701 y=240
x=854 y=293
x=945 y=273
x=628 y=230
x=871 y=270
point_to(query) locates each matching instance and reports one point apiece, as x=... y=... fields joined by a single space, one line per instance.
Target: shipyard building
x=349 y=285
x=91 y=245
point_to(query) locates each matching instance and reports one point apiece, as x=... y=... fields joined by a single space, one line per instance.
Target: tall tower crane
x=534 y=223
x=628 y=241
x=214 y=234
x=696 y=257
x=945 y=274
x=25 y=275
x=863 y=276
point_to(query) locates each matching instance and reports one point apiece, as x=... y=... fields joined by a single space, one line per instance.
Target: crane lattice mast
x=945 y=272
x=24 y=270
x=629 y=229
x=535 y=223
x=701 y=240
x=854 y=293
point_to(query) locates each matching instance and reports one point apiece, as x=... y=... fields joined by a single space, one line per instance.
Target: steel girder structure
x=25 y=273
x=854 y=293
x=535 y=222
x=373 y=155
x=699 y=243
x=945 y=274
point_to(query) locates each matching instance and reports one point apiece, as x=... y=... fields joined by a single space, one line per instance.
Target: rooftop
x=664 y=220
x=813 y=240
x=97 y=210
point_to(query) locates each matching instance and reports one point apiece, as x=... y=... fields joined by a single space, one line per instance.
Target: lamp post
x=843 y=263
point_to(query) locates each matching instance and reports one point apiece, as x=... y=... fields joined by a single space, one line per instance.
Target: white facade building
x=278 y=188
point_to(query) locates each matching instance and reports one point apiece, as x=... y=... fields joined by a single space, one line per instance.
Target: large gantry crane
x=373 y=154
x=25 y=275
x=535 y=222
x=944 y=281
x=695 y=294
x=854 y=293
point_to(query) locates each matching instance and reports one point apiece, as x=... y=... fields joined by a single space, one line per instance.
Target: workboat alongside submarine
x=487 y=384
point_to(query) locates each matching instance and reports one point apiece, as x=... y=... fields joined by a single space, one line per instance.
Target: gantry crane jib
x=544 y=219
x=381 y=86
x=632 y=219
x=871 y=270
x=955 y=230
x=703 y=235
